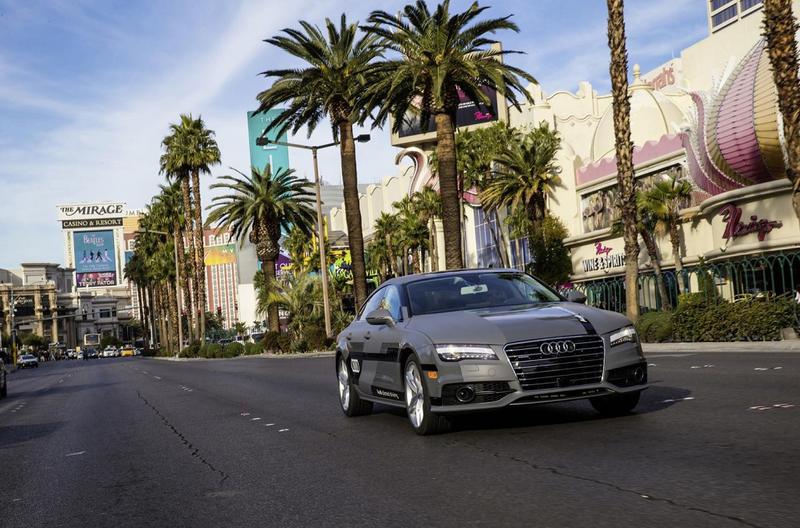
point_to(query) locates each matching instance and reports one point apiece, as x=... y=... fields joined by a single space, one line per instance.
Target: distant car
x=224 y=341
x=71 y=354
x=109 y=352
x=255 y=337
x=80 y=354
x=3 y=378
x=137 y=351
x=28 y=361
x=127 y=351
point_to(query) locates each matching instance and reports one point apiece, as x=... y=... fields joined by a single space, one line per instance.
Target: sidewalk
x=738 y=346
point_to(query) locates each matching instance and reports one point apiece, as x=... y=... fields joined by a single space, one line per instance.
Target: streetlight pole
x=362 y=138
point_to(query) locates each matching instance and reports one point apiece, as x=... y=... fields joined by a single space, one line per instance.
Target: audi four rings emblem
x=557 y=347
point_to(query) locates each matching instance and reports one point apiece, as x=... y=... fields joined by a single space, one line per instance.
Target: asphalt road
x=261 y=442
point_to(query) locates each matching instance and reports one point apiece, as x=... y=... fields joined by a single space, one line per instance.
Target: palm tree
x=526 y=175
x=442 y=57
x=300 y=246
x=261 y=206
x=663 y=202
x=428 y=204
x=299 y=295
x=377 y=258
x=170 y=200
x=332 y=83
x=386 y=226
x=618 y=70
x=780 y=28
x=191 y=150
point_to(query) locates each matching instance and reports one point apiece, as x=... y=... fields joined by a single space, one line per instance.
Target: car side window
x=391 y=302
x=373 y=304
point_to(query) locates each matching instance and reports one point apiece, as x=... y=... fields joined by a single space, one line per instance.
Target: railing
x=750 y=278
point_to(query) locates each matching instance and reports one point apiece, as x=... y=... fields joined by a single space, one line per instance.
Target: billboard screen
x=95 y=258
x=275 y=155
x=218 y=255
x=468 y=113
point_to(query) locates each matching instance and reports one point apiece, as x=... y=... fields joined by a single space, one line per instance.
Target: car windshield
x=28 y=356
x=475 y=291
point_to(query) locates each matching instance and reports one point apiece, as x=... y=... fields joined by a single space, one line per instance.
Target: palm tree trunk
x=618 y=71
x=520 y=263
x=273 y=317
x=433 y=245
x=189 y=269
x=499 y=244
x=780 y=28
x=174 y=319
x=185 y=276
x=415 y=259
x=675 y=240
x=352 y=211
x=652 y=251
x=448 y=185
x=199 y=256
x=392 y=257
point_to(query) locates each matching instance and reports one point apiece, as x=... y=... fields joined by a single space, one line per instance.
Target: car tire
x=349 y=400
x=616 y=404
x=418 y=402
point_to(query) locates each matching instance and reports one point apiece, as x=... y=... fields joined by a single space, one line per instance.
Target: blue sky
x=88 y=88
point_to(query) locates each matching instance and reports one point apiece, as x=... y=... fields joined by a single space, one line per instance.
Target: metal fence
x=754 y=277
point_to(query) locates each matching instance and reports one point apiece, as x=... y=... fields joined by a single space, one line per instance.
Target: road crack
x=640 y=494
x=195 y=451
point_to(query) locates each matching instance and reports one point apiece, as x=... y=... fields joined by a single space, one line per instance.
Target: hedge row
x=698 y=318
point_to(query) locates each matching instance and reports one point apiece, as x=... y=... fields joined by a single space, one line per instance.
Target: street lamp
x=263 y=141
x=178 y=291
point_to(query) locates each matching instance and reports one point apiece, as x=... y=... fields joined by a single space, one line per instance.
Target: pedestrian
x=797 y=295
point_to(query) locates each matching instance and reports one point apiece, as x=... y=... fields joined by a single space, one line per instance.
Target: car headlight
x=623 y=335
x=459 y=352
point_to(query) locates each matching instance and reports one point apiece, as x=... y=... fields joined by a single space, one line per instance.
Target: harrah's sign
x=91 y=211
x=734 y=227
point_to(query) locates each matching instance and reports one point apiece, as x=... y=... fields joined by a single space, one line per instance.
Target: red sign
x=663 y=79
x=734 y=227
x=600 y=249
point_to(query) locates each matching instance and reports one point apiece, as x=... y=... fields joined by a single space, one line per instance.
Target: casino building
x=708 y=116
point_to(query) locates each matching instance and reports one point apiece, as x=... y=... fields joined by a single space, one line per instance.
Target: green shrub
x=253 y=349
x=316 y=338
x=284 y=344
x=212 y=350
x=655 y=327
x=191 y=351
x=697 y=319
x=233 y=349
x=271 y=342
x=299 y=346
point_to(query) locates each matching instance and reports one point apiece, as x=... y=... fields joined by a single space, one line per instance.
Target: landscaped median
x=704 y=318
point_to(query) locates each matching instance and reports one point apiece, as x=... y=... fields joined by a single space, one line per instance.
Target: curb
x=757 y=347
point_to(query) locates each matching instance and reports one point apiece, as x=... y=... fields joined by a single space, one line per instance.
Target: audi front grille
x=557 y=362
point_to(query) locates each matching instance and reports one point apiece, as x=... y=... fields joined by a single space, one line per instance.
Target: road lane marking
x=269 y=425
x=282 y=430
x=652 y=365
x=157 y=377
x=244 y=414
x=254 y=419
x=770 y=407
x=77 y=453
x=671 y=400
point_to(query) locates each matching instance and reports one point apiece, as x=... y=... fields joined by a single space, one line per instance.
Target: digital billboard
x=95 y=259
x=468 y=113
x=277 y=156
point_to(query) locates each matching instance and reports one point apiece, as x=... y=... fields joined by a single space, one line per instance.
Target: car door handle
x=367 y=335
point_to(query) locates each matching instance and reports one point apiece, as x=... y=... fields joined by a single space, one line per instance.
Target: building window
x=748 y=4
x=724 y=15
x=487 y=249
x=716 y=4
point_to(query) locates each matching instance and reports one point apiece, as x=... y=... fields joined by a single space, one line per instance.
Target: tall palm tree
x=386 y=226
x=441 y=58
x=332 y=81
x=191 y=150
x=780 y=28
x=428 y=204
x=526 y=175
x=260 y=207
x=618 y=70
x=663 y=202
x=377 y=257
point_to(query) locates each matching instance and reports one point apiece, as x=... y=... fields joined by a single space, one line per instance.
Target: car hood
x=498 y=327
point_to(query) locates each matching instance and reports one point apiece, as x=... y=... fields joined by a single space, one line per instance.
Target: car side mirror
x=576 y=297
x=381 y=316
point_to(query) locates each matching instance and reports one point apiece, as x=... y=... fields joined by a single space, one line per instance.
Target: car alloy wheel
x=415 y=395
x=344 y=385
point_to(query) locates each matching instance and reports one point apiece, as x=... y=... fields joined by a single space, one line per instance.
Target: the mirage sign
x=91 y=211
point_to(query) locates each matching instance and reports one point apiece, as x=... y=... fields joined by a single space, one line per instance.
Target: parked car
x=28 y=361
x=475 y=340
x=127 y=351
x=137 y=351
x=3 y=376
x=109 y=351
x=91 y=353
x=72 y=354
x=81 y=354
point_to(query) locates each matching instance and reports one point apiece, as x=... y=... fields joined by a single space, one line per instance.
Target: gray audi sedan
x=475 y=340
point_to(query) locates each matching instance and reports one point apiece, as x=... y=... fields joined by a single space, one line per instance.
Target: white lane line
x=269 y=425
x=760 y=368
x=777 y=368
x=652 y=365
x=157 y=377
x=244 y=414
x=282 y=430
x=670 y=400
x=254 y=419
x=145 y=372
x=77 y=453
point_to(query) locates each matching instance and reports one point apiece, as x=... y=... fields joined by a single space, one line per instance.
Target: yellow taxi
x=127 y=351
